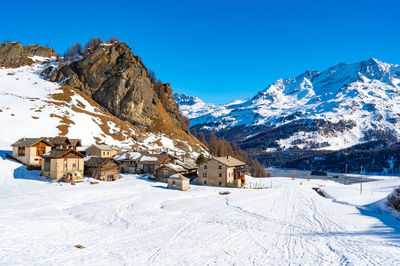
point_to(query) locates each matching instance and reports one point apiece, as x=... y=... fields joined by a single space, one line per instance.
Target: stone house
x=224 y=171
x=174 y=167
x=29 y=150
x=128 y=161
x=105 y=169
x=102 y=150
x=179 y=182
x=64 y=164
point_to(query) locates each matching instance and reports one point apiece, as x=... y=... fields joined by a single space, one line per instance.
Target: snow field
x=135 y=221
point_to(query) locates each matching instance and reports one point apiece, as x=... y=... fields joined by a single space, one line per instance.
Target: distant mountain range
x=343 y=106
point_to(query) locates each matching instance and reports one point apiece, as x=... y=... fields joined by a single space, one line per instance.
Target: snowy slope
x=31 y=106
x=133 y=221
x=360 y=100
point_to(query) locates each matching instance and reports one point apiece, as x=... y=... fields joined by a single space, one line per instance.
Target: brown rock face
x=13 y=54
x=118 y=80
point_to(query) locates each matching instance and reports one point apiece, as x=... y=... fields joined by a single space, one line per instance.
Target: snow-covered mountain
x=334 y=109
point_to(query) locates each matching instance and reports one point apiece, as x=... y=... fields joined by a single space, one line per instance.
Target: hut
x=105 y=169
x=64 y=164
x=178 y=182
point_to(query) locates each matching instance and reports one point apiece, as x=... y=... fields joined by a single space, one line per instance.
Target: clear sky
x=218 y=50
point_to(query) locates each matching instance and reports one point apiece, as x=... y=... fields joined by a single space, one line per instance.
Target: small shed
x=105 y=169
x=178 y=182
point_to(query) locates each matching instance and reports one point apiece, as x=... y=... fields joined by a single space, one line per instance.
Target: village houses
x=64 y=164
x=224 y=171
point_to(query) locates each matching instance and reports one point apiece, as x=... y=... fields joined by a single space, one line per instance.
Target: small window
x=205 y=166
x=220 y=183
x=219 y=166
x=204 y=174
x=21 y=151
x=108 y=153
x=205 y=182
x=74 y=165
x=220 y=175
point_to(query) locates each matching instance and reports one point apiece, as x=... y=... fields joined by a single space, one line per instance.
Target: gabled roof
x=97 y=161
x=128 y=156
x=149 y=158
x=229 y=161
x=57 y=140
x=29 y=142
x=75 y=142
x=105 y=147
x=58 y=153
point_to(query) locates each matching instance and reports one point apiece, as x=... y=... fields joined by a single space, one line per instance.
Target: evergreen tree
x=200 y=159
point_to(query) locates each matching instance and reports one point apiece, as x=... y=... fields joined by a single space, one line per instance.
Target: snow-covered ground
x=134 y=221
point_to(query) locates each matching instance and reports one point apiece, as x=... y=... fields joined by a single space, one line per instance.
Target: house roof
x=129 y=156
x=28 y=142
x=149 y=158
x=178 y=176
x=57 y=140
x=97 y=161
x=105 y=147
x=58 y=153
x=229 y=161
x=75 y=142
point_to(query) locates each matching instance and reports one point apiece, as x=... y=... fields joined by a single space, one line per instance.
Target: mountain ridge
x=339 y=107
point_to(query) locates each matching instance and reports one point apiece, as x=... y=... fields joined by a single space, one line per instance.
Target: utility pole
x=361 y=181
x=345 y=175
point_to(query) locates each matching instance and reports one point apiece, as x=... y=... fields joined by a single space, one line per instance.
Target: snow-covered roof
x=105 y=147
x=178 y=176
x=129 y=155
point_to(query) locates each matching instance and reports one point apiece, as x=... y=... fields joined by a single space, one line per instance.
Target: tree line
x=78 y=49
x=220 y=147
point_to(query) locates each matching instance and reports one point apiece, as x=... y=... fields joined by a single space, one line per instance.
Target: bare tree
x=72 y=52
x=79 y=48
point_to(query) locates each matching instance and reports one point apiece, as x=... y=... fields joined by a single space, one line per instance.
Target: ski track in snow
x=135 y=221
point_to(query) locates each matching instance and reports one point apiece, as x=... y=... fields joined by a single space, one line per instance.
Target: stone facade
x=67 y=164
x=223 y=173
x=101 y=150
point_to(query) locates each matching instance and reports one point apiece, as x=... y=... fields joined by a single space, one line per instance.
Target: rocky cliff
x=119 y=81
x=13 y=54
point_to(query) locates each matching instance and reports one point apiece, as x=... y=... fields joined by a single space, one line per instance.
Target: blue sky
x=218 y=50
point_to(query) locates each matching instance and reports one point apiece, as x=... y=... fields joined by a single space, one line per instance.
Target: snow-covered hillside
x=134 y=221
x=360 y=101
x=31 y=106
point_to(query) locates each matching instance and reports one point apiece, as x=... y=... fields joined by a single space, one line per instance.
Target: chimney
x=227 y=157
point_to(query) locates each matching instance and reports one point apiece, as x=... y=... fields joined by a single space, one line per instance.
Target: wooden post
x=345 y=176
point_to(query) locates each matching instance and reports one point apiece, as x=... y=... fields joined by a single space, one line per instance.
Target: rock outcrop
x=119 y=81
x=13 y=54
